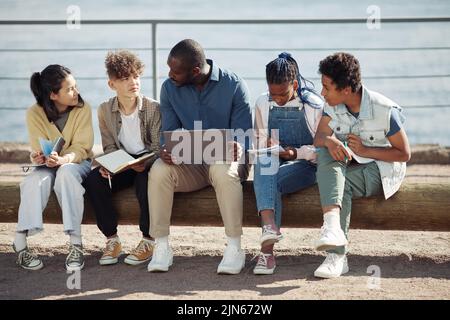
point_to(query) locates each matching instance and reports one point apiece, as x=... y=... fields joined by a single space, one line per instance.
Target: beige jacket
x=78 y=132
x=110 y=122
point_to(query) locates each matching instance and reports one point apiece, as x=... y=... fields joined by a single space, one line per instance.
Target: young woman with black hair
x=59 y=112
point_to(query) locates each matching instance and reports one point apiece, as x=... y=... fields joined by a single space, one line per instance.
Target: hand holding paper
x=355 y=146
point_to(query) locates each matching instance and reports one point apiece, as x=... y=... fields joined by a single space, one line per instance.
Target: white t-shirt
x=130 y=133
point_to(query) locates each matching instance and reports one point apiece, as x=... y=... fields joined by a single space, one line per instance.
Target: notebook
x=47 y=147
x=119 y=161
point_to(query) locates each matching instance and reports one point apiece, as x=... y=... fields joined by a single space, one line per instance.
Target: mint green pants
x=339 y=183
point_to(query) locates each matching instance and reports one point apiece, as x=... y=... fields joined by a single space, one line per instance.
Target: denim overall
x=274 y=176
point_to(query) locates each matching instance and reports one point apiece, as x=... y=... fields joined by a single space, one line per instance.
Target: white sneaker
x=232 y=262
x=269 y=236
x=334 y=266
x=330 y=238
x=161 y=260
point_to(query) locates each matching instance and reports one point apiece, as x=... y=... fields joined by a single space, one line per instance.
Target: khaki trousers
x=166 y=179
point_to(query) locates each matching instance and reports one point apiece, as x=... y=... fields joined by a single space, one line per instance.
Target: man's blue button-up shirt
x=223 y=103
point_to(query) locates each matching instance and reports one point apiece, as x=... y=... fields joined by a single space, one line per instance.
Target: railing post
x=154 y=62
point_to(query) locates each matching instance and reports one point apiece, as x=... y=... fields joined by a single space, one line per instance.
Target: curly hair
x=343 y=68
x=123 y=63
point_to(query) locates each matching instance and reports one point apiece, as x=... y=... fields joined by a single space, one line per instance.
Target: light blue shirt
x=223 y=103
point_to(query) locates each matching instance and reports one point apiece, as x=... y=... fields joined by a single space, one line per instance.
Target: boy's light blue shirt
x=222 y=104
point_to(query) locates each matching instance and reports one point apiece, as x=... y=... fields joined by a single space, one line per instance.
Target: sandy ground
x=410 y=265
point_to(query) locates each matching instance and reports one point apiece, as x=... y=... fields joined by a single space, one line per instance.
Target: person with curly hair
x=132 y=122
x=363 y=150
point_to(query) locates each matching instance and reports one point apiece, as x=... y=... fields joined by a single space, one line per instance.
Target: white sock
x=74 y=239
x=235 y=242
x=162 y=241
x=331 y=219
x=20 y=240
x=148 y=240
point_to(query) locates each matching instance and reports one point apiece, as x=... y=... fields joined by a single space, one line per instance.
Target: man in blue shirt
x=198 y=90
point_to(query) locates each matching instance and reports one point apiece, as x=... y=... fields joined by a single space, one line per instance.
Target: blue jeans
x=269 y=185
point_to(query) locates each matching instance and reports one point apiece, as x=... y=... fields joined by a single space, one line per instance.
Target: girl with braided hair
x=287 y=116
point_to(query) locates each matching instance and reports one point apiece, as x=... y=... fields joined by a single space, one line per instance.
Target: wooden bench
x=417 y=206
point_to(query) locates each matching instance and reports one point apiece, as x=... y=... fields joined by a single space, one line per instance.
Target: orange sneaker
x=112 y=252
x=142 y=253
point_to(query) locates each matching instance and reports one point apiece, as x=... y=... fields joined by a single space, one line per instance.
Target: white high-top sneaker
x=330 y=238
x=162 y=259
x=334 y=266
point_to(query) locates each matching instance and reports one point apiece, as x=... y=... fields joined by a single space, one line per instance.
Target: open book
x=47 y=147
x=119 y=161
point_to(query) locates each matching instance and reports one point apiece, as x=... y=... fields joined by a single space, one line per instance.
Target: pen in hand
x=345 y=145
x=109 y=180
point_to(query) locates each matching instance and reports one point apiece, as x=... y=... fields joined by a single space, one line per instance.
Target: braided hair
x=285 y=69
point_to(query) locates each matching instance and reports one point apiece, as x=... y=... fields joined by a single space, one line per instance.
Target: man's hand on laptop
x=165 y=156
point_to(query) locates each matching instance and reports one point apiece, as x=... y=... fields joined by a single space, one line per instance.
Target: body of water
x=400 y=67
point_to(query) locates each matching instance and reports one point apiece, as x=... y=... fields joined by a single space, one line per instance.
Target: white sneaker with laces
x=334 y=266
x=269 y=236
x=330 y=238
x=162 y=259
x=232 y=262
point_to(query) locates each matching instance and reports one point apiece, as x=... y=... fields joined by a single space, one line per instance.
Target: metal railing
x=154 y=38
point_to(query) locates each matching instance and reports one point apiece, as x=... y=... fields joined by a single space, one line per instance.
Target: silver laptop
x=199 y=146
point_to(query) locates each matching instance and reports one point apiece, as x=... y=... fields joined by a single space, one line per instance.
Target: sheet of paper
x=359 y=159
x=273 y=149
